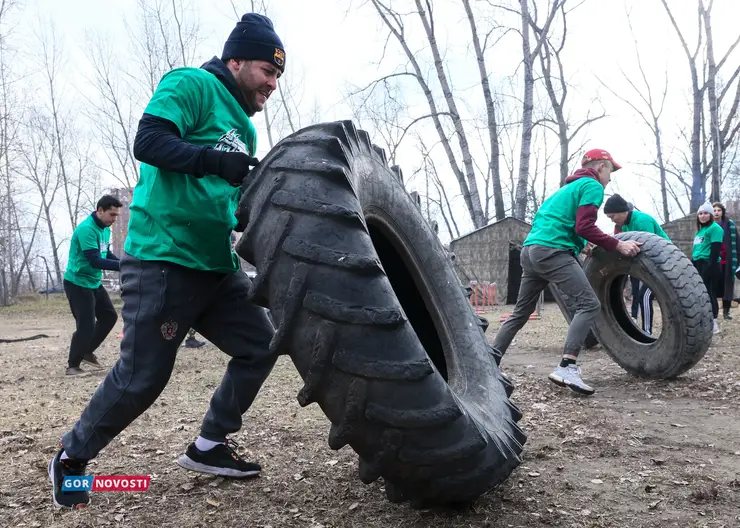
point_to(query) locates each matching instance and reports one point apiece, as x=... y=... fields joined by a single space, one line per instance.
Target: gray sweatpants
x=161 y=302
x=540 y=266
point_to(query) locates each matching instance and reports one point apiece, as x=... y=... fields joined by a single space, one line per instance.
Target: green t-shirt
x=704 y=238
x=177 y=217
x=639 y=221
x=554 y=224
x=87 y=235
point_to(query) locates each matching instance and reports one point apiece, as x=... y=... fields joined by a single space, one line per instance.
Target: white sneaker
x=570 y=377
x=715 y=330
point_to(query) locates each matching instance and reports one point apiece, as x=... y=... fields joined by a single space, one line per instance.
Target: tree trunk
x=714 y=135
x=477 y=211
x=661 y=168
x=520 y=205
x=52 y=241
x=494 y=169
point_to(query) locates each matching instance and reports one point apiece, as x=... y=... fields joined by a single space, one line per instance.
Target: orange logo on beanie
x=279 y=57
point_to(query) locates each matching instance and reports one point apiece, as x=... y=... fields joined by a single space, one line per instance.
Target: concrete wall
x=681 y=232
x=483 y=254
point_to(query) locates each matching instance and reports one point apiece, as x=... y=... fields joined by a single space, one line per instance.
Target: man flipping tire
x=627 y=219
x=549 y=254
x=196 y=143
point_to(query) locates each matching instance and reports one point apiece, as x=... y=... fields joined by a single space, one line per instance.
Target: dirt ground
x=636 y=454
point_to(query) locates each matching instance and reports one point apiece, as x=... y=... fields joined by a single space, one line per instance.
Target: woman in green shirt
x=707 y=246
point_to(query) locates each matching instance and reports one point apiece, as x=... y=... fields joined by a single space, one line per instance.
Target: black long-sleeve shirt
x=96 y=260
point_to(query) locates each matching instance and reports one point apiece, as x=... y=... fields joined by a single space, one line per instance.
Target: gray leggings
x=542 y=265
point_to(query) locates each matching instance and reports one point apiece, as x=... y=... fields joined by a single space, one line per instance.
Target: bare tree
x=556 y=85
x=166 y=35
x=493 y=172
x=39 y=153
x=442 y=200
x=529 y=53
x=113 y=114
x=697 y=92
x=466 y=176
x=652 y=103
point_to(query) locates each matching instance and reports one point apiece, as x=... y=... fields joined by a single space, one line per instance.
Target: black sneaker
x=92 y=359
x=221 y=460
x=58 y=469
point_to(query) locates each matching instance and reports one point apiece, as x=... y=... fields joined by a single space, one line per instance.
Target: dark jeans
x=710 y=281
x=95 y=318
x=635 y=308
x=540 y=266
x=161 y=302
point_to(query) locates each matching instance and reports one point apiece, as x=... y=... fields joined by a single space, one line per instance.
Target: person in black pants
x=706 y=253
x=90 y=304
x=196 y=142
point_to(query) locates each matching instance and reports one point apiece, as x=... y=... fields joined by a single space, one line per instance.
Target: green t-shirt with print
x=639 y=221
x=703 y=241
x=88 y=235
x=554 y=225
x=177 y=217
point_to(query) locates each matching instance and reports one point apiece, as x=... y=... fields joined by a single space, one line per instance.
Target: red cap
x=599 y=154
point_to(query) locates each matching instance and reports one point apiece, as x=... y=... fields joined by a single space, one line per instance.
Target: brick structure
x=491 y=254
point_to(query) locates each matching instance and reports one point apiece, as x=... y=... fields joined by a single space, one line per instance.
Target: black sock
x=567 y=361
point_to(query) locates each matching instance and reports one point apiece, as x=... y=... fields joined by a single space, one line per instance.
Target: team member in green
x=550 y=253
x=706 y=253
x=627 y=219
x=89 y=255
x=196 y=142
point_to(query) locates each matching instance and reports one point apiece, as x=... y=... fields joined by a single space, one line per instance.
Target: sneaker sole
x=97 y=365
x=53 y=496
x=188 y=463
x=557 y=380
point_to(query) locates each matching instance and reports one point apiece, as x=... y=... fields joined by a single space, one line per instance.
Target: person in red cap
x=561 y=227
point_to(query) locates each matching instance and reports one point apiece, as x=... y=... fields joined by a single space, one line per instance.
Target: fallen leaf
x=332 y=462
x=533 y=474
x=654 y=505
x=597 y=481
x=353 y=506
x=216 y=482
x=187 y=486
x=118 y=517
x=213 y=502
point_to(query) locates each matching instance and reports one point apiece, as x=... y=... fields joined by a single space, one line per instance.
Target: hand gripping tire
x=684 y=305
x=367 y=305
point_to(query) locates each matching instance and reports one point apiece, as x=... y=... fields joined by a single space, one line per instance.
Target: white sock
x=64 y=455
x=203 y=444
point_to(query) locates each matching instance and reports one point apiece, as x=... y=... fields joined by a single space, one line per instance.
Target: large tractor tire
x=568 y=308
x=367 y=305
x=684 y=305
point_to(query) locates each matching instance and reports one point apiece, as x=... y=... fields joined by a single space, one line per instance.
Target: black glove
x=234 y=166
